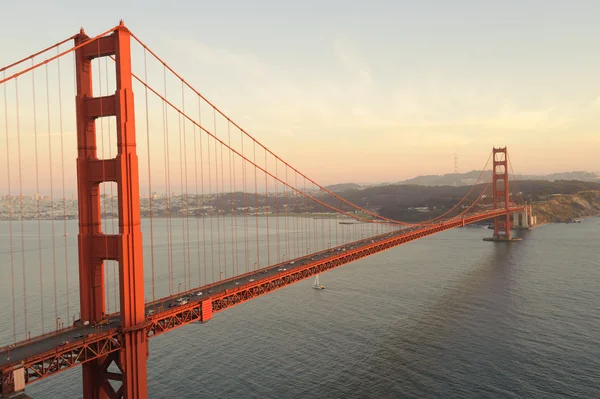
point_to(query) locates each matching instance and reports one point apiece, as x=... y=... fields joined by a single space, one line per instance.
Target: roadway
x=36 y=346
x=28 y=349
x=266 y=273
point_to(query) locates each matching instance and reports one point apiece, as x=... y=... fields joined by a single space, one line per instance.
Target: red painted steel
x=169 y=319
x=264 y=286
x=91 y=273
x=134 y=354
x=94 y=245
x=178 y=316
x=501 y=192
x=91 y=348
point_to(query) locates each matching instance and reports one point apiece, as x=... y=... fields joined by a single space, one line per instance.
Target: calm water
x=448 y=316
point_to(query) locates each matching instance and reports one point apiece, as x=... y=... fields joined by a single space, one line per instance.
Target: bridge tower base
x=501 y=196
x=524 y=220
x=501 y=238
x=95 y=246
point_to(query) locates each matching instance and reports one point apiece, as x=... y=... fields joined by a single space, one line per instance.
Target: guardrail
x=35 y=339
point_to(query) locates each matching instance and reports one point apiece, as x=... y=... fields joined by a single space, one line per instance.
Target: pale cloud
x=202 y=54
x=356 y=100
x=431 y=113
x=354 y=65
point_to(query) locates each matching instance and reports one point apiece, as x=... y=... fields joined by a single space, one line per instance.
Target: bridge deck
x=45 y=356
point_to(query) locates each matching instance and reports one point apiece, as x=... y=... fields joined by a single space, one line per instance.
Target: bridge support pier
x=13 y=383
x=501 y=195
x=94 y=246
x=524 y=220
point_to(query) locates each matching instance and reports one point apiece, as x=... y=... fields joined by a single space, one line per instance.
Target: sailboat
x=316 y=285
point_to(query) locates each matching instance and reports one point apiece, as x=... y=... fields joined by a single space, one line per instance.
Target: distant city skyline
x=144 y=192
x=355 y=92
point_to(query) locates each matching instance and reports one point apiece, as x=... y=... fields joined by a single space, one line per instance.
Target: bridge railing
x=36 y=338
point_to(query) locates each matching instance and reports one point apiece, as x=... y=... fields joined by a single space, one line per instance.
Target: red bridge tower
x=94 y=246
x=501 y=194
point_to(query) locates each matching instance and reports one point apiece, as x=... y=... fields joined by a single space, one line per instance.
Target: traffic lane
x=53 y=342
x=220 y=287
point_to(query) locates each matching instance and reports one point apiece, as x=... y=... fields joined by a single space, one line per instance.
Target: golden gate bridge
x=235 y=222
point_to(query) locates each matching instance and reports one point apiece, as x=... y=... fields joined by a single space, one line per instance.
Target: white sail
x=317 y=285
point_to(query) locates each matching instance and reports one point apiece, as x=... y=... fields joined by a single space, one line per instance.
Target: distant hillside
x=451 y=179
x=468 y=178
x=336 y=188
x=561 y=207
x=413 y=203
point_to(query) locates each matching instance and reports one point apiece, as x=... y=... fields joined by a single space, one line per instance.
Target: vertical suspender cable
x=217 y=193
x=64 y=194
x=245 y=193
x=37 y=194
x=50 y=169
x=257 y=264
x=277 y=214
x=233 y=205
x=21 y=208
x=168 y=186
x=150 y=193
x=197 y=203
x=182 y=194
x=224 y=201
x=212 y=252
x=10 y=217
x=296 y=211
x=200 y=133
x=187 y=196
x=287 y=222
x=197 y=213
x=267 y=210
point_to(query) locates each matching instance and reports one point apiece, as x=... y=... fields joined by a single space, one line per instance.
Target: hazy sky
x=370 y=91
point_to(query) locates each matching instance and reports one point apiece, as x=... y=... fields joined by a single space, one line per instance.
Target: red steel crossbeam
x=62 y=358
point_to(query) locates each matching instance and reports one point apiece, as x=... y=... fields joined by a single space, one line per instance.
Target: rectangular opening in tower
x=500 y=185
x=109 y=207
x=499 y=156
x=111 y=287
x=499 y=190
x=106 y=137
